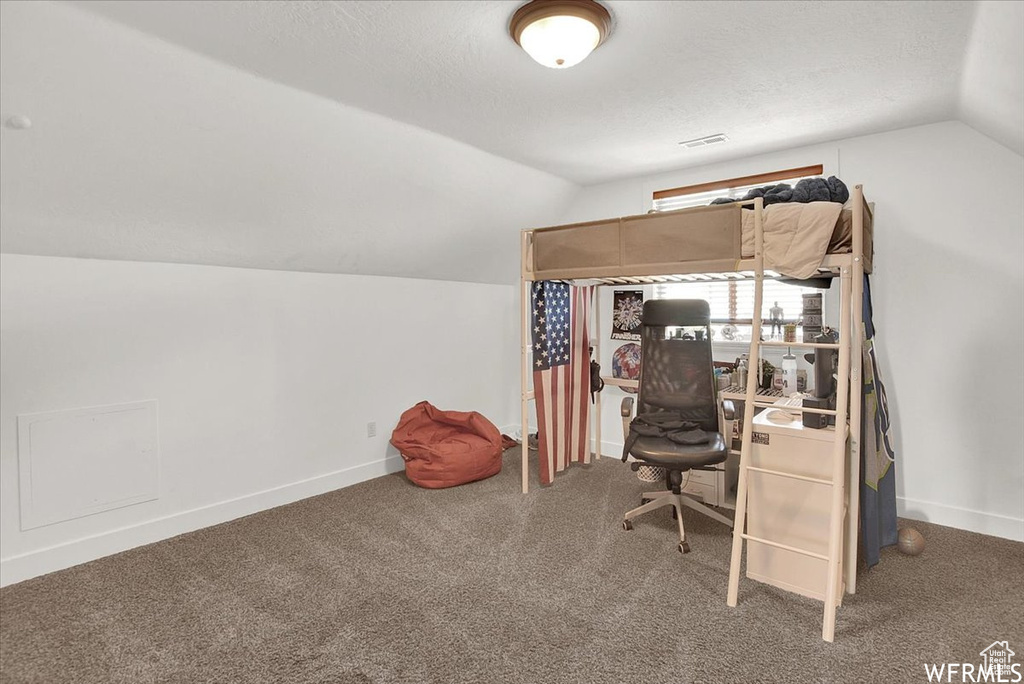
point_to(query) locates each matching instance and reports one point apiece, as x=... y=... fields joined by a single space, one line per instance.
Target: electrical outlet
x=371 y=429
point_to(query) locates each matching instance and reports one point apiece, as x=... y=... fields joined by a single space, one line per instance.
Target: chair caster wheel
x=627 y=525
x=684 y=547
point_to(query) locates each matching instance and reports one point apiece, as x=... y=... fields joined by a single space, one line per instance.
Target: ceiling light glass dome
x=560 y=33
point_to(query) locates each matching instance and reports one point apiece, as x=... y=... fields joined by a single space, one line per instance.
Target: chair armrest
x=626 y=410
x=728 y=409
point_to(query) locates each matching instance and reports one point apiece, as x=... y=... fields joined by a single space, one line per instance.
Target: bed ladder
x=833 y=585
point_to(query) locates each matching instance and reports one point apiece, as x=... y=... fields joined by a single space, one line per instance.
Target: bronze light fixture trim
x=560 y=33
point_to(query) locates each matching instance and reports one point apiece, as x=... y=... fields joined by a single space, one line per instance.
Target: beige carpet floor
x=386 y=582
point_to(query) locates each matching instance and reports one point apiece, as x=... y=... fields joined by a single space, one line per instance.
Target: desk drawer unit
x=702 y=483
x=706 y=492
x=788 y=511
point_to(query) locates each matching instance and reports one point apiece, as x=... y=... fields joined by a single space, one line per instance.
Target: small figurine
x=776 y=318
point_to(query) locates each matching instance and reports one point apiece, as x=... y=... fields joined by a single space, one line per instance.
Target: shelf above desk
x=737 y=393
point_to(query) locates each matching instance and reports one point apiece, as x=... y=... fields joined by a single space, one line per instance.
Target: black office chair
x=677 y=422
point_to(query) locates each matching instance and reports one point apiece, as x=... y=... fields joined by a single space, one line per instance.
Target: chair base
x=661 y=499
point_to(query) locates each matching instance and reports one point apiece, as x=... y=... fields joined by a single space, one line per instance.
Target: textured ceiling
x=770 y=75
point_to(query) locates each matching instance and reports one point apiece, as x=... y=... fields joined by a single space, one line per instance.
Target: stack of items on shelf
x=812 y=316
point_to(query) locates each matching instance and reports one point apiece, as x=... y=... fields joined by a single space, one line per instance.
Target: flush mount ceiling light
x=560 y=33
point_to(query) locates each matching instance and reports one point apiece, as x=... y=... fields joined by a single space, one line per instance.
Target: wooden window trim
x=742 y=181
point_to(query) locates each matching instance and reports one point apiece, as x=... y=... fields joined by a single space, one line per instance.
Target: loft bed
x=705 y=243
x=714 y=241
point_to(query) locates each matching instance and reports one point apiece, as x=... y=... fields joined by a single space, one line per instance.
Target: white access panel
x=83 y=461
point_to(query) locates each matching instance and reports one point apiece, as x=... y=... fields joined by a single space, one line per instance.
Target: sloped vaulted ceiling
x=142 y=150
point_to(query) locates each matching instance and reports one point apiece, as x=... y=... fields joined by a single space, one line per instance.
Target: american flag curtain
x=561 y=374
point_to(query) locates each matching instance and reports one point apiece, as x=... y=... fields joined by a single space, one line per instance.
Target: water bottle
x=788 y=375
x=741 y=371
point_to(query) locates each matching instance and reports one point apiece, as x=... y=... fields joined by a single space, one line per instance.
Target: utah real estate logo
x=996 y=666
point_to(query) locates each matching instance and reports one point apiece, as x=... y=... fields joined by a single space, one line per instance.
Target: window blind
x=733 y=301
x=699 y=199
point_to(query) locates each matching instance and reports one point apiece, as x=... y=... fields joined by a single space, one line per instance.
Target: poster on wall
x=626 y=364
x=627 y=313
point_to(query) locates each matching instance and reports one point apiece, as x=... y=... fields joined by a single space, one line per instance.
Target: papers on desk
x=780 y=416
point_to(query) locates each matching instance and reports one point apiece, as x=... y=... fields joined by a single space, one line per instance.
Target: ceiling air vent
x=706 y=140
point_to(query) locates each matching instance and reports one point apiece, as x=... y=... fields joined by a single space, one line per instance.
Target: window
x=732 y=304
x=703 y=193
x=732 y=301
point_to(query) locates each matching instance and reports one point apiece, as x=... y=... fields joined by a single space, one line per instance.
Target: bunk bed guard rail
x=638 y=244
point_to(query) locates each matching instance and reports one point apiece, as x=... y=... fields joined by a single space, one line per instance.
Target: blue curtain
x=878 y=471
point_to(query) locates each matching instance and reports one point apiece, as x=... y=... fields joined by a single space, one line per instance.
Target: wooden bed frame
x=700 y=243
x=672 y=244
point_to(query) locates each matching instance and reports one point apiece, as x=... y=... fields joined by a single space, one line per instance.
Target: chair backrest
x=676 y=371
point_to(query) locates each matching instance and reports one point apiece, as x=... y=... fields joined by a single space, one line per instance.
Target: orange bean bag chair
x=447 y=448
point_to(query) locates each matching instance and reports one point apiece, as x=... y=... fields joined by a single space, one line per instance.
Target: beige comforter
x=798 y=236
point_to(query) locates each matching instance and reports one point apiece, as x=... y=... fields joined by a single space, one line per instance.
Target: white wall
x=948 y=287
x=265 y=381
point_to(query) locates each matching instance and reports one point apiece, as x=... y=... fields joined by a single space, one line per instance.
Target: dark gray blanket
x=829 y=189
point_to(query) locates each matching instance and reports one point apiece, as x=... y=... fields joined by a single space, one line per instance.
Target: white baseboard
x=611 y=449
x=962 y=518
x=608 y=449
x=41 y=561
x=510 y=430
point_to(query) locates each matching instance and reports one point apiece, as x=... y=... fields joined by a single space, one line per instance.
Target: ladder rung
x=804 y=345
x=786 y=547
x=802 y=409
x=816 y=480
